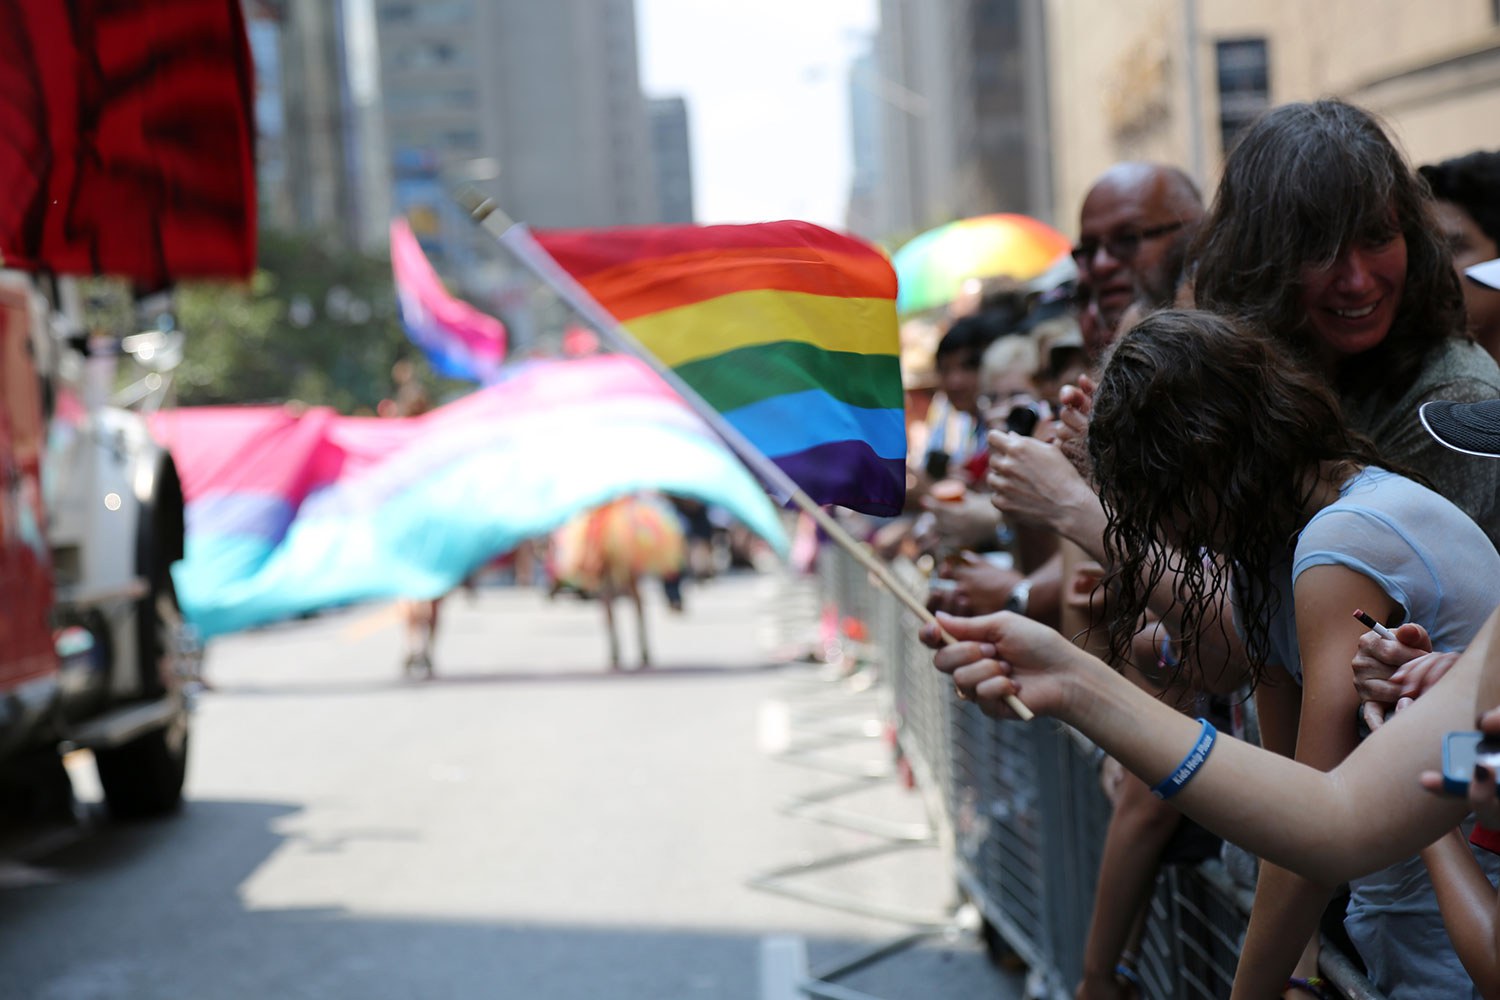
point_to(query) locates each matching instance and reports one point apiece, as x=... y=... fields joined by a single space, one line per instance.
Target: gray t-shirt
x=1464 y=373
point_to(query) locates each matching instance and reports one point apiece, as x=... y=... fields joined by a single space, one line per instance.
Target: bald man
x=1133 y=232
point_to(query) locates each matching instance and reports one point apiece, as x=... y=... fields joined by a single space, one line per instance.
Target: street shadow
x=157 y=911
x=99 y=845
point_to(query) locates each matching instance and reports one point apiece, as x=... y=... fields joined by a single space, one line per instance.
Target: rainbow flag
x=459 y=341
x=786 y=329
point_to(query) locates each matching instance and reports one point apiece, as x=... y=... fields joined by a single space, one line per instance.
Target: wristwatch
x=1020 y=597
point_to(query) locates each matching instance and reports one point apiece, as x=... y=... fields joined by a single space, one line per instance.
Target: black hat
x=1472 y=428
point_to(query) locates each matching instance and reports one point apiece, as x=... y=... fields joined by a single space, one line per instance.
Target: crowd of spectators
x=1193 y=463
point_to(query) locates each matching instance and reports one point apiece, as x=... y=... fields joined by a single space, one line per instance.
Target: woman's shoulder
x=1376 y=489
x=1455 y=369
x=1460 y=368
x=1378 y=509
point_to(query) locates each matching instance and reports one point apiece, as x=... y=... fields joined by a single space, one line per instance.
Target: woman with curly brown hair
x=1210 y=439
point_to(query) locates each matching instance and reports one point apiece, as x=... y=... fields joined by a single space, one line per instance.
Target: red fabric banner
x=126 y=139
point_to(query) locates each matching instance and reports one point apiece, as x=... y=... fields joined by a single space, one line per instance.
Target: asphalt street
x=526 y=824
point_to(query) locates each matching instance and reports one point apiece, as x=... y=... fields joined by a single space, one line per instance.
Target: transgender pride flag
x=459 y=341
x=290 y=510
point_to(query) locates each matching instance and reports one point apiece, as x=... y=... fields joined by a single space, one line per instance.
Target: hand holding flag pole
x=518 y=239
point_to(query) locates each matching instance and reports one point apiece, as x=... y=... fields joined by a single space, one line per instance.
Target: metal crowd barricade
x=1021 y=809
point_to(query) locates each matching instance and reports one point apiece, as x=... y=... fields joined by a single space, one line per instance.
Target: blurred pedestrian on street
x=419 y=617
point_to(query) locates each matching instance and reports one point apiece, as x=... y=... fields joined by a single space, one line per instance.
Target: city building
x=1175 y=80
x=866 y=212
x=263 y=30
x=671 y=145
x=962 y=130
x=1018 y=105
x=915 y=79
x=537 y=104
x=321 y=159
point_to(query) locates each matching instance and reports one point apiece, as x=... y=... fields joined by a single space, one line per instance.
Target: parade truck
x=93 y=652
x=129 y=153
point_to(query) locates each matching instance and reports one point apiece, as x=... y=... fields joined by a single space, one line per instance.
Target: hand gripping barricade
x=1022 y=808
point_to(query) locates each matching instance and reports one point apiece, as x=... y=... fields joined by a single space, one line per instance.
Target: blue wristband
x=1174 y=782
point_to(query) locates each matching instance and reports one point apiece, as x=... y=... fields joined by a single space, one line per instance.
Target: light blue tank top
x=1424 y=552
x=1440 y=566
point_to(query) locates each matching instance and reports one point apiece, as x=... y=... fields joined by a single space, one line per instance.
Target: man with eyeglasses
x=1134 y=228
x=1136 y=223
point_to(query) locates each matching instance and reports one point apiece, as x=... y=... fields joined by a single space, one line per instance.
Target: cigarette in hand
x=1370 y=623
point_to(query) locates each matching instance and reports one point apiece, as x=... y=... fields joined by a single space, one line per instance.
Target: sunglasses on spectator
x=1124 y=245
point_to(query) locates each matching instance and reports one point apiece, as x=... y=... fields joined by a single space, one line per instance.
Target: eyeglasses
x=1122 y=246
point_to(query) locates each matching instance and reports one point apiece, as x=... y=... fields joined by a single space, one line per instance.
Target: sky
x=767 y=93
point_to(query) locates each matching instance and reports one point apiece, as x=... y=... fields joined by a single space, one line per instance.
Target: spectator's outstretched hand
x=1419 y=675
x=1483 y=798
x=1077 y=406
x=970 y=584
x=994 y=656
x=967 y=521
x=1375 y=663
x=1034 y=482
x=980 y=585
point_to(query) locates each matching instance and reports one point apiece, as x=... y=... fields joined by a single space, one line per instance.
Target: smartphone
x=1023 y=419
x=1461 y=751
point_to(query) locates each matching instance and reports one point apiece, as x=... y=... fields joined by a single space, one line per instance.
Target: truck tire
x=143 y=778
x=159 y=543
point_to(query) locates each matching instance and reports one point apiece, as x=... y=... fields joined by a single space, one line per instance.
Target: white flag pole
x=517 y=238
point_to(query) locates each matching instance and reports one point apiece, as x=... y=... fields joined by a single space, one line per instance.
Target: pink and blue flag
x=459 y=341
x=290 y=510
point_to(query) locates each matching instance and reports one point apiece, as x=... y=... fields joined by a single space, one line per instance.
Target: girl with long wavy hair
x=1209 y=439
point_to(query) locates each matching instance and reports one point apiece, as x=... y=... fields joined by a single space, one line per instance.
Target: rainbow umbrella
x=932 y=267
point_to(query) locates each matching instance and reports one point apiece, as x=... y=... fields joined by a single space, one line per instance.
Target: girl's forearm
x=1282 y=922
x=1281 y=810
x=1083 y=522
x=1128 y=863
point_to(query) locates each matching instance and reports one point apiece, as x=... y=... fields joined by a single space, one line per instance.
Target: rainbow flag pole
x=517 y=238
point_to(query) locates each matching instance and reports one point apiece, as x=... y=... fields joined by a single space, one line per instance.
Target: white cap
x=1487 y=274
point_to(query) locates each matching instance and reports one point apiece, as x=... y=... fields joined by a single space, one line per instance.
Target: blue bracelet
x=1174 y=782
